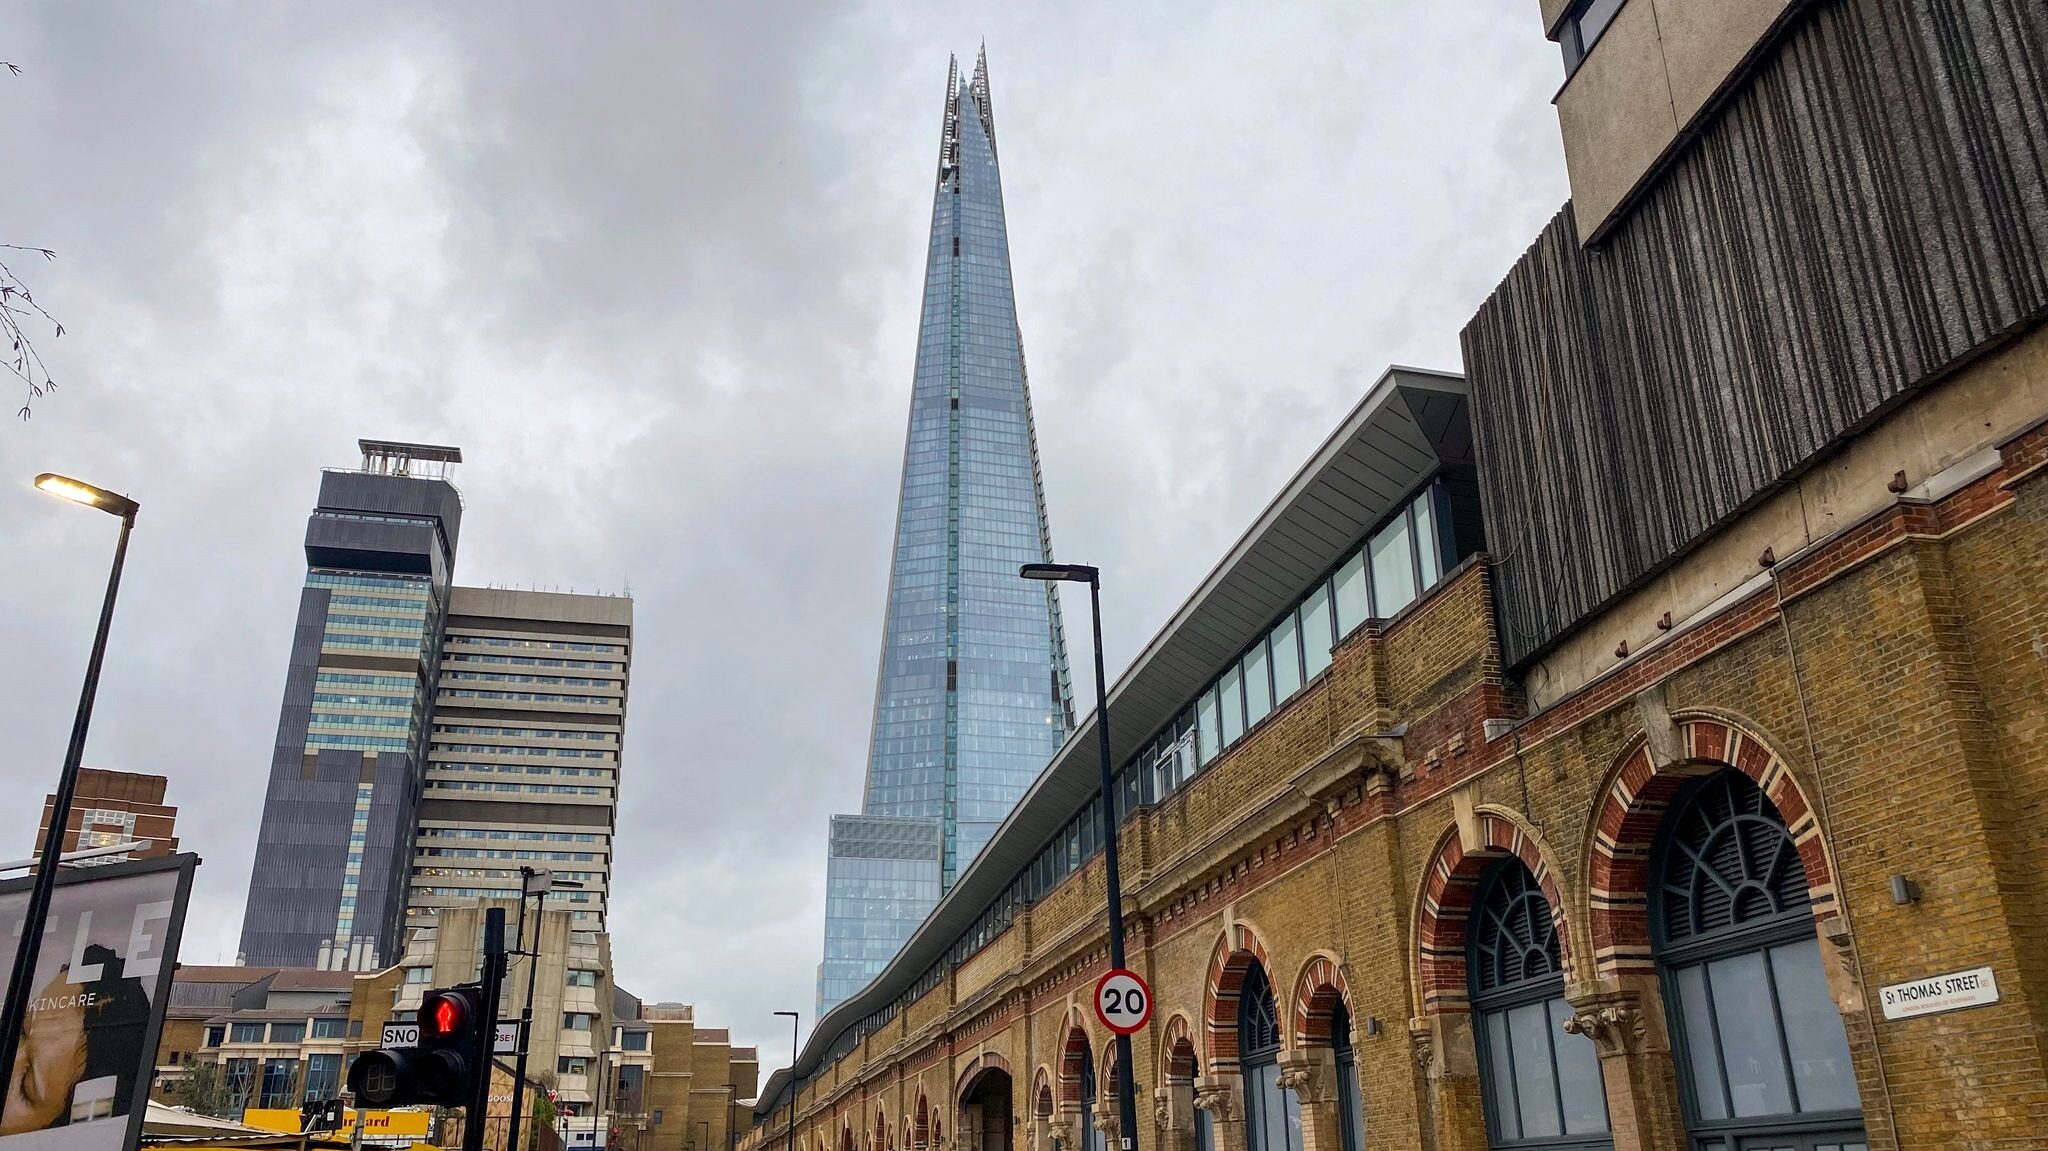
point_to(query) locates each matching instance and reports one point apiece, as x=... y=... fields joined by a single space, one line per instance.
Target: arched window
x=1091 y=1138
x=1542 y=1084
x=1272 y=1117
x=1349 y=1116
x=1759 y=1043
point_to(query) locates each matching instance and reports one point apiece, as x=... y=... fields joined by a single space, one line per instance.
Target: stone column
x=1450 y=1066
x=1173 y=1116
x=1311 y=1075
x=1219 y=1095
x=1625 y=1021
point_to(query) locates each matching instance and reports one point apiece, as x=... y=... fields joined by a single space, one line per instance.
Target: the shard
x=972 y=697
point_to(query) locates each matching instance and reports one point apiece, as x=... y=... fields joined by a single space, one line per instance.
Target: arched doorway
x=985 y=1112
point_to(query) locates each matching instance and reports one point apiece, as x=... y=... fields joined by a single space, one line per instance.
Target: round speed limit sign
x=1123 y=1002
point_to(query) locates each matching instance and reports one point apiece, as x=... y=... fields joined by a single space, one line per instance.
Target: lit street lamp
x=1126 y=1102
x=19 y=987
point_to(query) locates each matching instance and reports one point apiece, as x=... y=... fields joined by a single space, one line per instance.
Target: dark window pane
x=1578 y=1075
x=1700 y=1055
x=1535 y=1085
x=1748 y=1028
x=1500 y=1066
x=1813 y=1030
x=1230 y=693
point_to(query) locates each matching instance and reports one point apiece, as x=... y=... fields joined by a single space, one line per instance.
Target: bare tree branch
x=18 y=305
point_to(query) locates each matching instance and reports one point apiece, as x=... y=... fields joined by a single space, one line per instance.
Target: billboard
x=380 y=1128
x=88 y=1047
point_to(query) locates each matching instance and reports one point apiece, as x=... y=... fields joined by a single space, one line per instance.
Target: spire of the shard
x=978 y=87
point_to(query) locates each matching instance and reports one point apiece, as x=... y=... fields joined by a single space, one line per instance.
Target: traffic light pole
x=493 y=979
x=532 y=953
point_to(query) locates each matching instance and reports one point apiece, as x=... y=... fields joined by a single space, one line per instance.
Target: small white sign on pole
x=1932 y=996
x=401 y=1035
x=506 y=1042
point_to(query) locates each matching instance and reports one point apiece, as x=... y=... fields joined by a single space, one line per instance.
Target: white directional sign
x=1956 y=990
x=1123 y=1002
x=408 y=1035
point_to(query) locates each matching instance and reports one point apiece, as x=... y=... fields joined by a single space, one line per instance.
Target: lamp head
x=1056 y=573
x=80 y=492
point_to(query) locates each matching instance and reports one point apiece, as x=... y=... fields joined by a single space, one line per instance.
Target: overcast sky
x=656 y=269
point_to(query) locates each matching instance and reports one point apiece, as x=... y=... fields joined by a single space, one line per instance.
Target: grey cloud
x=656 y=268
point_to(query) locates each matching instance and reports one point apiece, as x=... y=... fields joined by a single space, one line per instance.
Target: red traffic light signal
x=452 y=1054
x=449 y=1018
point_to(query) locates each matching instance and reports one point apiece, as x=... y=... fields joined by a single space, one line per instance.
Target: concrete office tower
x=572 y=987
x=523 y=763
x=115 y=807
x=335 y=843
x=972 y=697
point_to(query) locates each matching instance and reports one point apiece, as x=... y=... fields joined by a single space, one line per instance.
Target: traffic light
x=451 y=1052
x=320 y=1115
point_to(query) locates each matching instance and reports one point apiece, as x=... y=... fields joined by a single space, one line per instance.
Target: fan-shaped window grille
x=1759 y=1043
x=1272 y=1117
x=1258 y=1018
x=1728 y=862
x=1543 y=1084
x=1514 y=939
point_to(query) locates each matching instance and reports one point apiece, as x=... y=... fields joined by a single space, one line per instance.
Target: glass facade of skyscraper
x=972 y=697
x=333 y=851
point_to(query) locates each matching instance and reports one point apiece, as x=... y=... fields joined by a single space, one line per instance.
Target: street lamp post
x=19 y=988
x=792 y=1077
x=732 y=1094
x=534 y=884
x=1126 y=1096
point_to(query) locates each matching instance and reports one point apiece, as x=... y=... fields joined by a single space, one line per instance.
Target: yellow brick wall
x=1915 y=722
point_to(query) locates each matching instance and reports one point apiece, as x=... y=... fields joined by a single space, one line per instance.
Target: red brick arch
x=1041 y=1095
x=1447 y=890
x=921 y=1126
x=978 y=1066
x=1319 y=991
x=1073 y=1059
x=1177 y=1051
x=1637 y=796
x=1235 y=953
x=881 y=1129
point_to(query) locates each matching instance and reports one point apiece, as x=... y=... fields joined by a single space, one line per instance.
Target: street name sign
x=1932 y=996
x=505 y=1042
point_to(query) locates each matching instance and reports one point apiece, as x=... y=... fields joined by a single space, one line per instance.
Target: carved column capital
x=1423 y=1039
x=1302 y=1073
x=1213 y=1097
x=1616 y=1028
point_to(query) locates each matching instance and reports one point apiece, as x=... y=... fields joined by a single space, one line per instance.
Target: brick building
x=1675 y=773
x=111 y=807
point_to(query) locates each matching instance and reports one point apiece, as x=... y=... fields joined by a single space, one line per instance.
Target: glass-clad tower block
x=972 y=698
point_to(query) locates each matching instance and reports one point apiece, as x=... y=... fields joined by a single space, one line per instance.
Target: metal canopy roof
x=1411 y=422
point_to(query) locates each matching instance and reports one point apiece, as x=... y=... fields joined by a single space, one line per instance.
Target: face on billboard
x=81 y=1073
